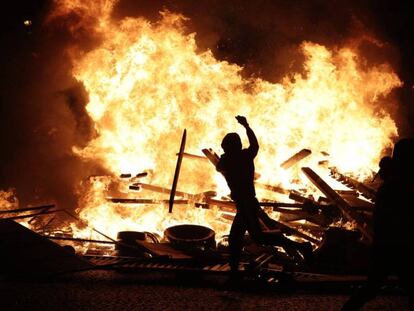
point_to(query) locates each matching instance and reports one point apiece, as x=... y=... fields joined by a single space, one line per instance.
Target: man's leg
x=253 y=216
x=236 y=237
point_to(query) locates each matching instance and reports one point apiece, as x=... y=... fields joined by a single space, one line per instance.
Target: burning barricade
x=148 y=80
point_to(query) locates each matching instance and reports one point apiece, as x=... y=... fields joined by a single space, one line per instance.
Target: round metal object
x=129 y=238
x=189 y=236
x=131 y=235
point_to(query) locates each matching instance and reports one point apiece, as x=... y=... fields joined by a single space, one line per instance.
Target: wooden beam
x=160 y=189
x=365 y=190
x=345 y=208
x=32 y=215
x=277 y=206
x=77 y=239
x=25 y=209
x=194 y=156
x=190 y=196
x=289 y=230
x=128 y=175
x=143 y=201
x=297 y=157
x=211 y=156
x=271 y=188
x=141 y=175
x=177 y=171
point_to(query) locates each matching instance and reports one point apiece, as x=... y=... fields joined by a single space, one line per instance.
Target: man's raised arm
x=253 y=143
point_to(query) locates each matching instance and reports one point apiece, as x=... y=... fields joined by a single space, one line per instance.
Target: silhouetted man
x=237 y=166
x=392 y=246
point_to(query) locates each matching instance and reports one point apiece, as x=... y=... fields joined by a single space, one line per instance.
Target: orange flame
x=8 y=199
x=148 y=81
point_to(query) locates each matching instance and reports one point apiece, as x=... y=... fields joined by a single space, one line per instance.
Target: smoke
x=263 y=36
x=43 y=113
x=43 y=107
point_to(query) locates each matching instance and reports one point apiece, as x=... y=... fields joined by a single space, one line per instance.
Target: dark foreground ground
x=110 y=290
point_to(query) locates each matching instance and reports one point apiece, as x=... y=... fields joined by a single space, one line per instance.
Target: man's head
x=231 y=143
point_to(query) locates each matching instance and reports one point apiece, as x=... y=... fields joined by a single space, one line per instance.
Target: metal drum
x=189 y=237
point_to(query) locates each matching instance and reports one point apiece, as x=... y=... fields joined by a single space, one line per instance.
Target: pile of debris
x=337 y=249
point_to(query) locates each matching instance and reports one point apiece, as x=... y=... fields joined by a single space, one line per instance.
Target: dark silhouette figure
x=237 y=166
x=392 y=246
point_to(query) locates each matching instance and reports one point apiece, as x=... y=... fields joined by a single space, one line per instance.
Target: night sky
x=38 y=93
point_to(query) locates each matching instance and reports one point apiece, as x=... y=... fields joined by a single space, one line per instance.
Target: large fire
x=147 y=82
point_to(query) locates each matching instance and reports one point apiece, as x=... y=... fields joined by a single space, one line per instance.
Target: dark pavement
x=110 y=290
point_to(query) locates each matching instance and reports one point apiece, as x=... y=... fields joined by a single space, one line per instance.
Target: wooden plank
x=127 y=175
x=345 y=208
x=296 y=196
x=297 y=157
x=347 y=192
x=277 y=206
x=160 y=189
x=290 y=230
x=359 y=204
x=194 y=156
x=141 y=175
x=144 y=201
x=135 y=187
x=58 y=238
x=177 y=171
x=32 y=215
x=271 y=188
x=25 y=209
x=365 y=190
x=190 y=196
x=211 y=156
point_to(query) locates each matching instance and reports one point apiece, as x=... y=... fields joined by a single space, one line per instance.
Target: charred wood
x=34 y=208
x=292 y=231
x=159 y=189
x=125 y=176
x=345 y=208
x=348 y=192
x=211 y=156
x=141 y=175
x=135 y=187
x=77 y=239
x=296 y=196
x=194 y=156
x=297 y=157
x=144 y=201
x=359 y=204
x=272 y=188
x=32 y=215
x=365 y=190
x=177 y=171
